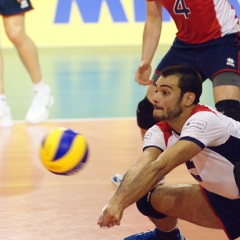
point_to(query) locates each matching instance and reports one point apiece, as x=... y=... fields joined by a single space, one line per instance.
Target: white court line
x=80 y=120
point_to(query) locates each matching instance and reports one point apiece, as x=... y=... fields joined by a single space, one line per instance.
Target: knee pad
x=145 y=207
x=145 y=118
x=226 y=78
x=230 y=108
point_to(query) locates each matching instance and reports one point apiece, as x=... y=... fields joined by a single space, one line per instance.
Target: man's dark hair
x=189 y=79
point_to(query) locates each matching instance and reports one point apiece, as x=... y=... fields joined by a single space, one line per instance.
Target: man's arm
x=151 y=36
x=147 y=178
x=148 y=156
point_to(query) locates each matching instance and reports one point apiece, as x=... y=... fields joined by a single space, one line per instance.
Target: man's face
x=167 y=99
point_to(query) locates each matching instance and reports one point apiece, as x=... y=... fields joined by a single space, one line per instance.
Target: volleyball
x=63 y=151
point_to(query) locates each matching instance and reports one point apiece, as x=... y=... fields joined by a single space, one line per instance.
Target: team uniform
x=213 y=167
x=207 y=36
x=12 y=7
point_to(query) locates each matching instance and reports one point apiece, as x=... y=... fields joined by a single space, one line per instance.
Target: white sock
x=38 y=86
x=171 y=229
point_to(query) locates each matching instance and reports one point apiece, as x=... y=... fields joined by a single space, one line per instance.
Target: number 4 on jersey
x=180 y=8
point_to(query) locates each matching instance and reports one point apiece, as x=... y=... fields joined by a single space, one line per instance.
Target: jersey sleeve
x=205 y=129
x=154 y=137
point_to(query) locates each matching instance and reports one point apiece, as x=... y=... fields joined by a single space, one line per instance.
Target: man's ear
x=189 y=98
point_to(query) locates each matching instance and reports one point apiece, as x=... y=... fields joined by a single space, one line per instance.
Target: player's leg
x=5 y=113
x=166 y=204
x=226 y=90
x=224 y=73
x=27 y=50
x=187 y=202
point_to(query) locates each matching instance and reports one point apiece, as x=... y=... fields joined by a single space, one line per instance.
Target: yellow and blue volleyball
x=64 y=151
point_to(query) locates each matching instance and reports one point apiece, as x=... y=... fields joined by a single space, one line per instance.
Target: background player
x=202 y=138
x=13 y=12
x=207 y=38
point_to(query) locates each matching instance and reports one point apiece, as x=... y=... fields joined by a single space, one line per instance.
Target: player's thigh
x=184 y=201
x=219 y=55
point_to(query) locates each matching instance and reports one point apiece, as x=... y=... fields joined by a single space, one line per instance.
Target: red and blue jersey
x=200 y=21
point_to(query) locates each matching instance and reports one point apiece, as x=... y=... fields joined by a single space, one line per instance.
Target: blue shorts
x=227 y=210
x=210 y=58
x=12 y=7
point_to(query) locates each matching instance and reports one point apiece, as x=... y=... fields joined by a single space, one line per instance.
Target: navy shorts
x=12 y=7
x=227 y=210
x=210 y=58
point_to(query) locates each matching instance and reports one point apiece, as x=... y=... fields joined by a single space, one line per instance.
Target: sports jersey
x=219 y=138
x=200 y=21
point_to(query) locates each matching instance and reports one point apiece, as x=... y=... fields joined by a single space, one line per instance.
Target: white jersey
x=219 y=138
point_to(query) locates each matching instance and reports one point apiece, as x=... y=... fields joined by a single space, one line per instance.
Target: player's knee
x=145 y=207
x=145 y=118
x=230 y=108
x=226 y=78
x=15 y=36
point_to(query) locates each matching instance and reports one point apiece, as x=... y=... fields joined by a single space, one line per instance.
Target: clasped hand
x=111 y=216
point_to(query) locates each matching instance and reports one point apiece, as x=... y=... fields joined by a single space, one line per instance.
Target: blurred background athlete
x=13 y=12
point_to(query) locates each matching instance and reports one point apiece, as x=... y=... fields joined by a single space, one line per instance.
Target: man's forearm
x=139 y=186
x=151 y=36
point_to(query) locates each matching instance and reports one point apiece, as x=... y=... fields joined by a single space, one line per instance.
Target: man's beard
x=170 y=114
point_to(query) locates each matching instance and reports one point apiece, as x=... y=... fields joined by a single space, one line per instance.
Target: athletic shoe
x=6 y=118
x=39 y=109
x=117 y=179
x=151 y=235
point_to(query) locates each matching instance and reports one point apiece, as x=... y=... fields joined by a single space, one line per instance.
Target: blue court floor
x=86 y=82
